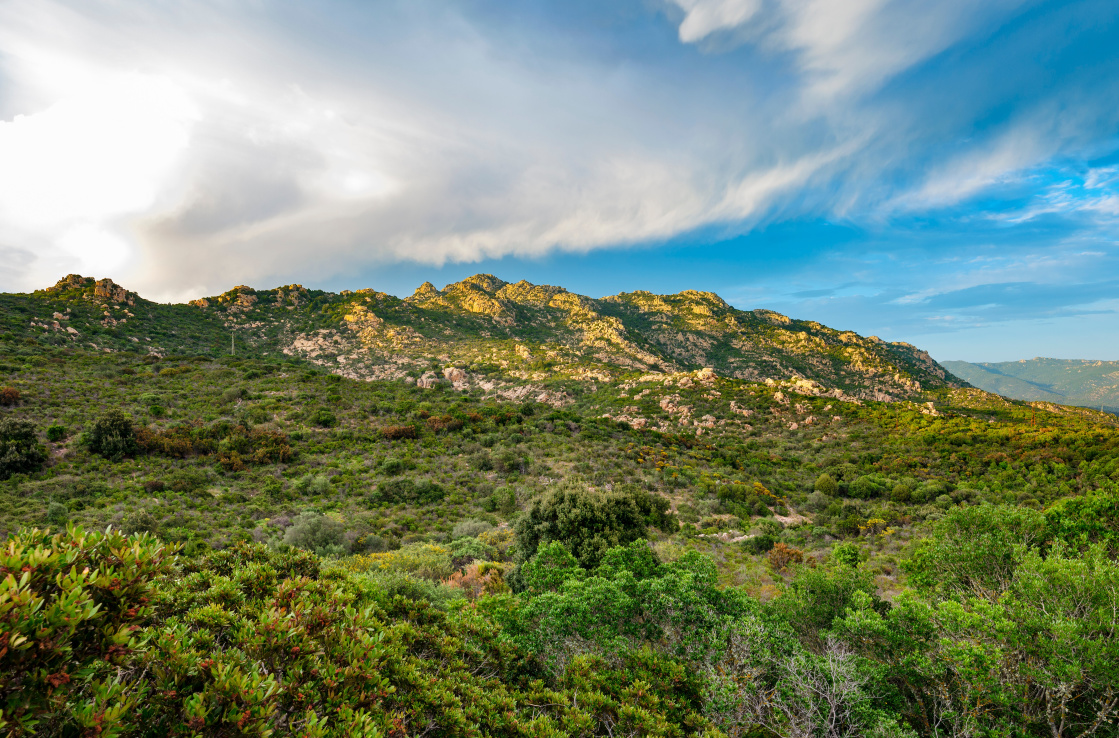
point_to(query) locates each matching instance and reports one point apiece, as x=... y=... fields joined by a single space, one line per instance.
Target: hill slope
x=500 y=333
x=1068 y=381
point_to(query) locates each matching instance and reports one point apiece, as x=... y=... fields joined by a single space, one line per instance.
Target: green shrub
x=312 y=531
x=20 y=450
x=140 y=521
x=391 y=466
x=591 y=522
x=846 y=554
x=112 y=436
x=56 y=433
x=470 y=528
x=324 y=418
x=759 y=543
x=465 y=550
x=868 y=487
x=57 y=515
x=826 y=485
x=315 y=485
x=187 y=481
x=405 y=490
x=69 y=626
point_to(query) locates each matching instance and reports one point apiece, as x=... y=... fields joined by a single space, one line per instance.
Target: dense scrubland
x=254 y=544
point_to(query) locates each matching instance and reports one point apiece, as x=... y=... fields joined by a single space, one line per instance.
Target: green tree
x=20 y=450
x=975 y=550
x=590 y=522
x=312 y=531
x=826 y=485
x=112 y=436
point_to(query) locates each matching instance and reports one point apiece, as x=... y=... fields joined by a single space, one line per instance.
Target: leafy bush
x=868 y=487
x=140 y=521
x=424 y=560
x=186 y=481
x=470 y=528
x=826 y=485
x=405 y=490
x=324 y=418
x=67 y=625
x=20 y=450
x=112 y=436
x=465 y=550
x=391 y=466
x=846 y=554
x=56 y=433
x=591 y=522
x=976 y=549
x=313 y=484
x=312 y=531
x=57 y=515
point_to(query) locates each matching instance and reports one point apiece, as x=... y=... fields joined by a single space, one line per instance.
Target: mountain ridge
x=523 y=331
x=1082 y=382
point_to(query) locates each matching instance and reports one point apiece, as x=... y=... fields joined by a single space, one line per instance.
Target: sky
x=945 y=174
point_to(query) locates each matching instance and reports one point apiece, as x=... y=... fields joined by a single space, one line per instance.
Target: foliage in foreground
x=114 y=635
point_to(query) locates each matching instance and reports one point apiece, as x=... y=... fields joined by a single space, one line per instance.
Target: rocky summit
x=508 y=338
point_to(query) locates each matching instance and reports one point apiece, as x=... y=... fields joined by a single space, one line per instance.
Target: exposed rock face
x=101 y=289
x=454 y=375
x=109 y=290
x=687 y=340
x=428 y=380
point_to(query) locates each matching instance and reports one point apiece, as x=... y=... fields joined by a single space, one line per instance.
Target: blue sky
x=940 y=173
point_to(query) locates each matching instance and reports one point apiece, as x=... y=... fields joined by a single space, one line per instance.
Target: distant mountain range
x=1066 y=381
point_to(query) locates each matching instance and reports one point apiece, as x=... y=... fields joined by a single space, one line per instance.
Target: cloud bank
x=186 y=145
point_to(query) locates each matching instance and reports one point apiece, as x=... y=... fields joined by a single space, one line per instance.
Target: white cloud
x=705 y=17
x=841 y=47
x=280 y=151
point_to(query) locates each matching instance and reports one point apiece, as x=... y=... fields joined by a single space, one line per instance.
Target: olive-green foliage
x=112 y=435
x=470 y=528
x=312 y=531
x=20 y=450
x=632 y=601
x=108 y=637
x=846 y=553
x=56 y=433
x=591 y=522
x=312 y=484
x=868 y=486
x=57 y=515
x=466 y=550
x=140 y=521
x=403 y=489
x=816 y=596
x=1037 y=657
x=975 y=549
x=826 y=485
x=68 y=604
x=1093 y=518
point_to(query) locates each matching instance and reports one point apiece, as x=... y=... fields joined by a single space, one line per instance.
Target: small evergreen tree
x=591 y=522
x=20 y=450
x=112 y=436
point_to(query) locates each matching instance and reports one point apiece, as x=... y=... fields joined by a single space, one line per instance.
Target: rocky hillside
x=512 y=339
